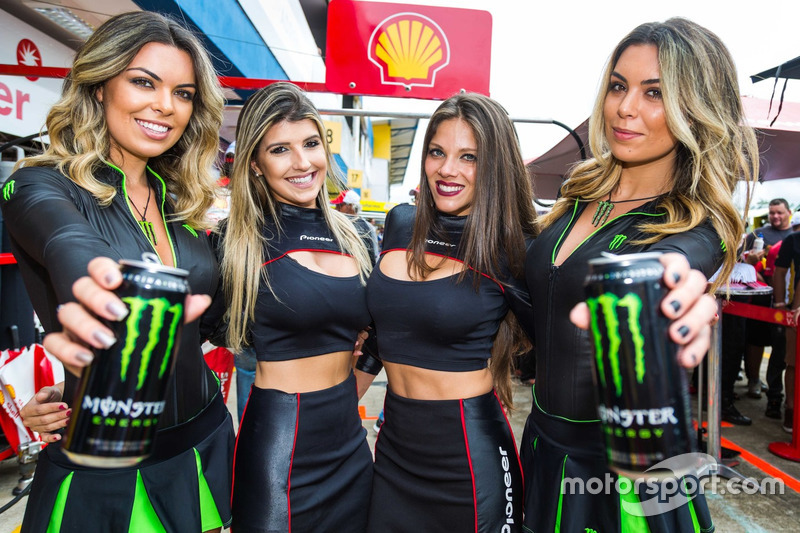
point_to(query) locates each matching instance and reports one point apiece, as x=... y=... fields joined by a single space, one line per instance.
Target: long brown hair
x=704 y=112
x=501 y=215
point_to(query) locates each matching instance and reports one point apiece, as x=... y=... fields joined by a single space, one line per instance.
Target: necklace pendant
x=602 y=213
x=147 y=228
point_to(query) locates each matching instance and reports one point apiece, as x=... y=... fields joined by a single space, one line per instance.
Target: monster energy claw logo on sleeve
x=121 y=395
x=643 y=401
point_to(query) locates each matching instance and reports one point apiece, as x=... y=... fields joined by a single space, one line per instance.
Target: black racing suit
x=564 y=393
x=56 y=228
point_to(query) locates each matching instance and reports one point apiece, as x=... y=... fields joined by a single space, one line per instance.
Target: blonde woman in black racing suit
x=669 y=143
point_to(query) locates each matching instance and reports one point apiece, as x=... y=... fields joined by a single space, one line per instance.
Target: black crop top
x=310 y=313
x=441 y=324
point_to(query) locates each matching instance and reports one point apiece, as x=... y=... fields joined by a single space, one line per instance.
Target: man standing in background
x=785 y=290
x=761 y=334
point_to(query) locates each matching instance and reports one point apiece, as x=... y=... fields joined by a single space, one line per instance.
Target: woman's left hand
x=691 y=309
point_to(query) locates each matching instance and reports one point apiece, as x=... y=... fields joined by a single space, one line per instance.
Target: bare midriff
x=424 y=384
x=305 y=375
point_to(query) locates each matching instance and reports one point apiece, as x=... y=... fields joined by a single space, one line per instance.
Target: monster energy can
x=643 y=393
x=121 y=394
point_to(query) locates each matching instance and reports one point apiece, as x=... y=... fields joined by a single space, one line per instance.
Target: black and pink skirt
x=446 y=466
x=302 y=462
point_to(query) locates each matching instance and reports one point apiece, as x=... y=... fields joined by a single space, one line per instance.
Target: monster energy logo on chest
x=607 y=305
x=163 y=314
x=8 y=190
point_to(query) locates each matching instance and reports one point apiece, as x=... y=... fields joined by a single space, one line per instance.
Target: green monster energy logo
x=160 y=308
x=8 y=190
x=722 y=246
x=608 y=305
x=190 y=230
x=617 y=242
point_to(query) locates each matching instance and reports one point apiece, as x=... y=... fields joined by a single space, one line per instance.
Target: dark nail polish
x=62 y=407
x=683 y=331
x=676 y=277
x=676 y=305
x=69 y=412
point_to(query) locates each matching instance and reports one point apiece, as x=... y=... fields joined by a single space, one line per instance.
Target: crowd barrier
x=785 y=450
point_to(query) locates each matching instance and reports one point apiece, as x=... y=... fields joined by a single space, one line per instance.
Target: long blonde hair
x=79 y=137
x=704 y=112
x=243 y=243
x=501 y=216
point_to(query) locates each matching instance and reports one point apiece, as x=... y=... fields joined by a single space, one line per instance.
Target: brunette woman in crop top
x=440 y=298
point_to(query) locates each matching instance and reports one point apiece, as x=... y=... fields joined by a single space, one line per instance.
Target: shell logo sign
x=385 y=49
x=409 y=49
x=11 y=392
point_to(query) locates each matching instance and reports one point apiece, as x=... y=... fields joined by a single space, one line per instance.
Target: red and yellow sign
x=407 y=50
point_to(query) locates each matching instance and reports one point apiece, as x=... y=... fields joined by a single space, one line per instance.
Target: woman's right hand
x=45 y=413
x=82 y=330
x=687 y=304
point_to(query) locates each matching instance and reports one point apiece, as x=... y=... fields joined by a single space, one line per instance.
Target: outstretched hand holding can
x=687 y=304
x=82 y=329
x=642 y=391
x=121 y=395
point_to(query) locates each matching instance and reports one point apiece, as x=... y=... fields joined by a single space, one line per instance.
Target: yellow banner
x=382 y=141
x=371 y=205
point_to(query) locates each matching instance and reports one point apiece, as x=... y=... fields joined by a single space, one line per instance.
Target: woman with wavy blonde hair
x=670 y=143
x=128 y=171
x=294 y=273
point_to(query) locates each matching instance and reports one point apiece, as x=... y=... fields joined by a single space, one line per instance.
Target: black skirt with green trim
x=568 y=486
x=183 y=487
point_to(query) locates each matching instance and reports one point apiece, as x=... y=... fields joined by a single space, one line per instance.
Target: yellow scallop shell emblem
x=409 y=49
x=11 y=392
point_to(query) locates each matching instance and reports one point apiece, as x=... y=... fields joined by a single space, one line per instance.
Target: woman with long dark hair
x=443 y=297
